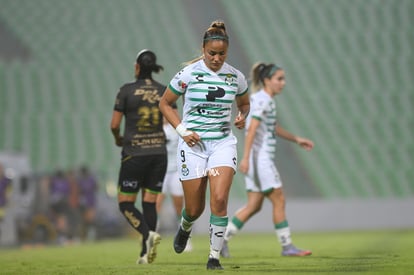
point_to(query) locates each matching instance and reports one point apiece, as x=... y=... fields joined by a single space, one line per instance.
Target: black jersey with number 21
x=143 y=133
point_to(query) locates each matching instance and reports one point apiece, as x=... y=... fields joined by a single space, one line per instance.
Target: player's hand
x=305 y=143
x=119 y=141
x=191 y=139
x=240 y=121
x=244 y=166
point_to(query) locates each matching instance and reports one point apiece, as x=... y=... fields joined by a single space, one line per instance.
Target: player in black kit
x=144 y=154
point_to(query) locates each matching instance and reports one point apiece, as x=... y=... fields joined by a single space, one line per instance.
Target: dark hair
x=216 y=31
x=260 y=71
x=147 y=61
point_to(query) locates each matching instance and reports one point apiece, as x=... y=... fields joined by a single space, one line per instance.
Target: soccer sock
x=233 y=228
x=186 y=221
x=217 y=229
x=283 y=233
x=134 y=218
x=150 y=214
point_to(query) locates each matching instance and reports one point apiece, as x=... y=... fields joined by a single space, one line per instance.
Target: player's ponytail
x=255 y=75
x=147 y=61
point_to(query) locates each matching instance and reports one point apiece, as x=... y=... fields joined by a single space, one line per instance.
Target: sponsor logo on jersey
x=182 y=84
x=150 y=95
x=202 y=111
x=215 y=92
x=200 y=77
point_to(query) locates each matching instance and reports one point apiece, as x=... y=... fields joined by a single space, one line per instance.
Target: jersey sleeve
x=242 y=84
x=258 y=108
x=120 y=101
x=179 y=83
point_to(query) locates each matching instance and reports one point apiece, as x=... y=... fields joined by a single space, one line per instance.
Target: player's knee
x=193 y=213
x=219 y=210
x=219 y=201
x=126 y=206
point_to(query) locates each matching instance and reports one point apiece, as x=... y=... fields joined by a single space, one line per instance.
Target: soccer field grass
x=362 y=252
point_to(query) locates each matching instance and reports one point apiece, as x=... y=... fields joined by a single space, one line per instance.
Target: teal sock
x=282 y=225
x=238 y=223
x=186 y=221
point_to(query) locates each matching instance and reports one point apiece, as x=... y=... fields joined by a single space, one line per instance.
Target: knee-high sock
x=134 y=218
x=217 y=229
x=150 y=214
x=283 y=233
x=233 y=228
x=186 y=222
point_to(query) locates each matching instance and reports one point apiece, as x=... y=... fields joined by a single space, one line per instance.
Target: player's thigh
x=194 y=196
x=220 y=183
x=130 y=177
x=174 y=184
x=166 y=184
x=255 y=200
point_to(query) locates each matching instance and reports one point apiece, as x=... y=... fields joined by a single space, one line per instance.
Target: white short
x=172 y=184
x=263 y=175
x=199 y=161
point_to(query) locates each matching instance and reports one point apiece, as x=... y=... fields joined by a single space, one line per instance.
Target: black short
x=145 y=172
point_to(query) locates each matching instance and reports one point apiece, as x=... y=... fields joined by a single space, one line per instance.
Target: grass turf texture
x=364 y=252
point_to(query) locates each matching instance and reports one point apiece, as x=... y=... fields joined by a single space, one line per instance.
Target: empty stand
x=349 y=86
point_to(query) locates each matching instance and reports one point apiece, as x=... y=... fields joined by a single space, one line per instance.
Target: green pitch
x=365 y=252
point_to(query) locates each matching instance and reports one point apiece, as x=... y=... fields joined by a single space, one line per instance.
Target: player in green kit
x=207 y=152
x=261 y=175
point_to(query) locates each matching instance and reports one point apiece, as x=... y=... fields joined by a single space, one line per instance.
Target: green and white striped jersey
x=208 y=98
x=263 y=108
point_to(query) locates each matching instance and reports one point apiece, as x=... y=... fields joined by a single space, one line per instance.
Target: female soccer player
x=144 y=154
x=261 y=175
x=207 y=148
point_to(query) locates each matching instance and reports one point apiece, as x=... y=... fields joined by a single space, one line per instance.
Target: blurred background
x=349 y=66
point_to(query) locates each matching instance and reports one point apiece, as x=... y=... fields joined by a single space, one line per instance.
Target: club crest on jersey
x=229 y=79
x=184 y=170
